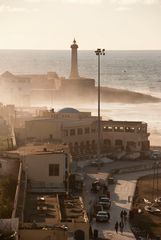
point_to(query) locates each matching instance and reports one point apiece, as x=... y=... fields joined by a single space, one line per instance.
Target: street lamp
x=99 y=52
x=155 y=180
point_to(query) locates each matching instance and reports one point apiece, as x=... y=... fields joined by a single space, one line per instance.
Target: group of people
x=121 y=224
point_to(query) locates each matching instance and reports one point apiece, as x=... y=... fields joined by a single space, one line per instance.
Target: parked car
x=104 y=197
x=158 y=200
x=96 y=208
x=102 y=216
x=96 y=163
x=155 y=155
x=152 y=209
x=146 y=201
x=96 y=185
x=105 y=202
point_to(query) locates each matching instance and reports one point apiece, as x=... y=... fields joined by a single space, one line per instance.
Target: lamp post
x=99 y=52
x=155 y=180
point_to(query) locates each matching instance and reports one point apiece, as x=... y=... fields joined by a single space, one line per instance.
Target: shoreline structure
x=48 y=89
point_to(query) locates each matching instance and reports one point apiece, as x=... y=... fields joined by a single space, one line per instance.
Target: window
x=138 y=129
x=87 y=142
x=129 y=129
x=121 y=129
x=72 y=132
x=51 y=136
x=0 y=165
x=93 y=130
x=65 y=133
x=86 y=130
x=107 y=142
x=107 y=128
x=93 y=142
x=80 y=131
x=118 y=129
x=132 y=129
x=53 y=169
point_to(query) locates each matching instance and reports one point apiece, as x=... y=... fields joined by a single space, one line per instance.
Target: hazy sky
x=52 y=24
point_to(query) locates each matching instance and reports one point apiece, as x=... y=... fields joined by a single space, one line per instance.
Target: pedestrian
x=121 y=224
x=108 y=214
x=129 y=198
x=116 y=226
x=125 y=216
x=124 y=213
x=121 y=215
x=108 y=194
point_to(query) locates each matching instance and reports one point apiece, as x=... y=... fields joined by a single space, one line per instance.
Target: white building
x=47 y=167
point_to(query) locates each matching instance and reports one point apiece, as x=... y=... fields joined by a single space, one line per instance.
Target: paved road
x=120 y=191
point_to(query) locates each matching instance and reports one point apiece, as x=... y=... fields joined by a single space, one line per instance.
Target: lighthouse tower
x=74 y=65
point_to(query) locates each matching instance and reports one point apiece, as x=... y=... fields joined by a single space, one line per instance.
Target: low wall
x=40 y=234
x=17 y=191
x=136 y=168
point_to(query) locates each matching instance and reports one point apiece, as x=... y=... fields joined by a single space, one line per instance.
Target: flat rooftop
x=72 y=209
x=42 y=209
x=37 y=149
x=50 y=210
x=122 y=122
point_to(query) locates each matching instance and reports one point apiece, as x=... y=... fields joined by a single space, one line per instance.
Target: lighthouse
x=74 y=64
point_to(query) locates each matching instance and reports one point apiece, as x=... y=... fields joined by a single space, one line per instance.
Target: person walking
x=116 y=226
x=108 y=214
x=125 y=216
x=121 y=215
x=121 y=224
x=124 y=213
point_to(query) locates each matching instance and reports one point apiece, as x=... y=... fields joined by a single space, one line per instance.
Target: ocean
x=133 y=70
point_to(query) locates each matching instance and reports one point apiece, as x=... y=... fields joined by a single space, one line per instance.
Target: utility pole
x=99 y=52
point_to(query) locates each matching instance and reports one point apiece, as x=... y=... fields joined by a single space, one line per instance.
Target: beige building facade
x=79 y=131
x=46 y=166
x=125 y=135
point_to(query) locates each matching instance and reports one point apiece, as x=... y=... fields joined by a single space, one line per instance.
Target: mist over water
x=133 y=70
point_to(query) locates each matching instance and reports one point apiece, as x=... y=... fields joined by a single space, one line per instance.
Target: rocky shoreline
x=126 y=96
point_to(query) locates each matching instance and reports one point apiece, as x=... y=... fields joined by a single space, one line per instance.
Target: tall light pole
x=155 y=180
x=99 y=52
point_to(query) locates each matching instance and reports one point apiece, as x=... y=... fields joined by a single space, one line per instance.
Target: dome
x=7 y=75
x=68 y=110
